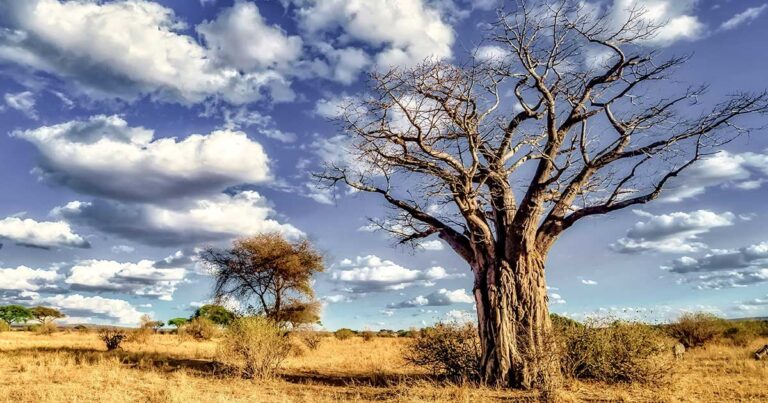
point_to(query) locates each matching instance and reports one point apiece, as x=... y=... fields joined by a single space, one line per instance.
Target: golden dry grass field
x=73 y=367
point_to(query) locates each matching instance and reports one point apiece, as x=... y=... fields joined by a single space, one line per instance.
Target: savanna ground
x=72 y=366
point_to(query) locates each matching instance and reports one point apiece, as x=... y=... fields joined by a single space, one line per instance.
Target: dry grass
x=72 y=367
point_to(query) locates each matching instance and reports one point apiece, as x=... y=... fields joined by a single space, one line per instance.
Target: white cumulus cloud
x=371 y=273
x=442 y=297
x=106 y=157
x=141 y=278
x=40 y=234
x=676 y=232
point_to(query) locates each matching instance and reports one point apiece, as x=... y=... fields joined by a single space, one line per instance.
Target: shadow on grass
x=210 y=368
x=139 y=360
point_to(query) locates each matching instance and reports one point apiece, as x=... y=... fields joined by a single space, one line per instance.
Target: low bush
x=254 y=347
x=696 y=329
x=344 y=333
x=199 y=328
x=739 y=334
x=614 y=353
x=310 y=338
x=448 y=350
x=4 y=327
x=112 y=337
x=47 y=328
x=368 y=335
x=140 y=335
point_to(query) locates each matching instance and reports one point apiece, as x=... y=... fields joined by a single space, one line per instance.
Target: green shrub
x=344 y=333
x=254 y=347
x=696 y=329
x=614 y=353
x=4 y=327
x=199 y=329
x=449 y=350
x=406 y=333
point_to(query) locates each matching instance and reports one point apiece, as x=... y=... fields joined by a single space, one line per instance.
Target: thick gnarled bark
x=512 y=311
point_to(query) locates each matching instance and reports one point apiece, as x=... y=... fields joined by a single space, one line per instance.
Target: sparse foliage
x=45 y=314
x=310 y=338
x=271 y=273
x=447 y=349
x=510 y=174
x=254 y=347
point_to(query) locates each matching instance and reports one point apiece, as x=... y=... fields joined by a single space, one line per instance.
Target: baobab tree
x=501 y=154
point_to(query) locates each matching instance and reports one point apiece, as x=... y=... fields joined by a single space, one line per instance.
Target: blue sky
x=134 y=132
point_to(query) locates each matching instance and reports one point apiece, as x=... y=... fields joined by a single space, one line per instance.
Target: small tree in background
x=45 y=315
x=215 y=313
x=11 y=314
x=271 y=274
x=177 y=322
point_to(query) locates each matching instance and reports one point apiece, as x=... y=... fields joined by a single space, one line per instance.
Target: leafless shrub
x=112 y=337
x=450 y=350
x=310 y=338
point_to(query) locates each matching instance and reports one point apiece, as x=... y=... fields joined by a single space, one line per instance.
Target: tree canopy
x=215 y=313
x=270 y=275
x=45 y=314
x=11 y=314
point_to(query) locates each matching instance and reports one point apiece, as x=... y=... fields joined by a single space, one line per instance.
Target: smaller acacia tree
x=45 y=315
x=215 y=313
x=271 y=274
x=11 y=314
x=177 y=322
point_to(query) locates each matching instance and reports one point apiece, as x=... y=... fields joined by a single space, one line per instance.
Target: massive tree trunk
x=513 y=321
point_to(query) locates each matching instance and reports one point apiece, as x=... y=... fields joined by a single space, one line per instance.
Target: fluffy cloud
x=442 y=297
x=743 y=17
x=671 y=233
x=588 y=282
x=140 y=51
x=455 y=315
x=40 y=234
x=371 y=273
x=743 y=171
x=104 y=156
x=403 y=32
x=727 y=279
x=23 y=102
x=556 y=299
x=25 y=279
x=674 y=18
x=723 y=268
x=722 y=259
x=240 y=37
x=75 y=305
x=214 y=218
x=141 y=278
x=434 y=244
